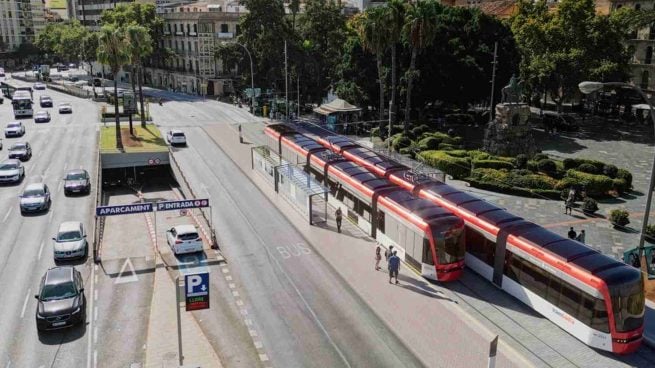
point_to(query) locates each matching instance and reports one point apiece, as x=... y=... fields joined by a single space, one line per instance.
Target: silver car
x=70 y=241
x=35 y=198
x=14 y=129
x=65 y=108
x=11 y=171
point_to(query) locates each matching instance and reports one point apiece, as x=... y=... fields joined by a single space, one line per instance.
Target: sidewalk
x=422 y=316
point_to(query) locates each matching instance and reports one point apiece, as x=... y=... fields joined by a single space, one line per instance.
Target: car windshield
x=44 y=98
x=8 y=166
x=76 y=176
x=188 y=236
x=17 y=147
x=41 y=113
x=58 y=291
x=37 y=192
x=69 y=236
x=178 y=134
x=13 y=125
x=64 y=105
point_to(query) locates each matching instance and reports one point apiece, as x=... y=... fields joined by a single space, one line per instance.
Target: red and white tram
x=597 y=299
x=427 y=236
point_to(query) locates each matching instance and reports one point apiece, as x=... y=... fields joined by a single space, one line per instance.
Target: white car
x=42 y=117
x=35 y=198
x=11 y=171
x=39 y=86
x=184 y=239
x=14 y=129
x=65 y=108
x=176 y=137
x=70 y=241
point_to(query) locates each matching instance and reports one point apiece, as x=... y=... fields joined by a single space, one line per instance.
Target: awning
x=338 y=105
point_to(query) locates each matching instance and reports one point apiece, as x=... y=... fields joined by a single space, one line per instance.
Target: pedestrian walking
x=568 y=207
x=339 y=217
x=387 y=253
x=378 y=257
x=581 y=237
x=394 y=267
x=572 y=233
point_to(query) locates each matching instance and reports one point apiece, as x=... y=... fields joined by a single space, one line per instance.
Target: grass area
x=146 y=139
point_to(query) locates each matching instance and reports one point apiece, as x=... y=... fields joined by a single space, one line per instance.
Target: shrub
x=619 y=217
x=492 y=164
x=540 y=156
x=417 y=131
x=589 y=205
x=445 y=138
x=460 y=119
x=610 y=170
x=650 y=231
x=428 y=143
x=400 y=142
x=532 y=166
x=445 y=147
x=533 y=181
x=459 y=153
x=522 y=172
x=504 y=188
x=479 y=155
x=570 y=163
x=587 y=168
x=595 y=185
x=375 y=132
x=625 y=175
x=574 y=163
x=457 y=167
x=620 y=185
x=521 y=161
x=547 y=166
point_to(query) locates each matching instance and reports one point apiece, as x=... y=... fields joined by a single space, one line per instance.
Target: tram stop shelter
x=337 y=114
x=298 y=187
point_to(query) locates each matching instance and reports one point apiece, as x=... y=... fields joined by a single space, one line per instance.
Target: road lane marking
x=89 y=362
x=95 y=313
x=95 y=294
x=129 y=276
x=22 y=313
x=52 y=213
x=95 y=358
x=4 y=219
x=95 y=335
x=40 y=250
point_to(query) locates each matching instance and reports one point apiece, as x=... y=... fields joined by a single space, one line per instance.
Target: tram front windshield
x=450 y=246
x=628 y=304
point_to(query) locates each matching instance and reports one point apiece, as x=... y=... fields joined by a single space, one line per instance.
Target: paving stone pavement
x=626 y=146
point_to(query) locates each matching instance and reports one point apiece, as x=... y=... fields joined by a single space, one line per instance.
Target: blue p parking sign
x=196 y=290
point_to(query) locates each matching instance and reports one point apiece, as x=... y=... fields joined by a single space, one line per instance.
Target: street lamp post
x=252 y=80
x=590 y=87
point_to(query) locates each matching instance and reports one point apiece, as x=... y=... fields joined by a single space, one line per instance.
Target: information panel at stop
x=197 y=291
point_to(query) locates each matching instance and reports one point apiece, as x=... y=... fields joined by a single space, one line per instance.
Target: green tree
x=139 y=47
x=90 y=48
x=418 y=32
x=371 y=27
x=112 y=51
x=294 y=6
x=395 y=19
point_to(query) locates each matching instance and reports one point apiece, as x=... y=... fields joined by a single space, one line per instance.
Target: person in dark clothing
x=572 y=234
x=581 y=237
x=568 y=207
x=388 y=252
x=378 y=257
x=339 y=217
x=394 y=267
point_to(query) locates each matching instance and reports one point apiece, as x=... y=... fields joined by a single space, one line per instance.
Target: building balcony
x=179 y=33
x=167 y=33
x=193 y=34
x=225 y=34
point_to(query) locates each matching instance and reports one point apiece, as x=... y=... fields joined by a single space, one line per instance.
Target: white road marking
x=95 y=294
x=40 y=250
x=89 y=362
x=22 y=313
x=8 y=364
x=4 y=219
x=129 y=276
x=95 y=358
x=95 y=335
x=52 y=213
x=258 y=345
x=95 y=313
x=263 y=357
x=65 y=166
x=59 y=186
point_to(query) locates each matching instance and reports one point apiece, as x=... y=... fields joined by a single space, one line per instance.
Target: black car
x=45 y=101
x=61 y=300
x=21 y=151
x=77 y=181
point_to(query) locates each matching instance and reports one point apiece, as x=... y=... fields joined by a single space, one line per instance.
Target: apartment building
x=88 y=12
x=20 y=21
x=192 y=31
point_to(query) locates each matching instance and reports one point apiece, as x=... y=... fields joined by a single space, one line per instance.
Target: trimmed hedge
x=428 y=143
x=588 y=168
x=540 y=156
x=493 y=164
x=400 y=142
x=457 y=167
x=547 y=166
x=521 y=161
x=574 y=163
x=595 y=185
x=502 y=188
x=625 y=175
x=610 y=170
x=446 y=147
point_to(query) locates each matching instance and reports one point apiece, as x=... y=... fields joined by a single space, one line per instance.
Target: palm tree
x=395 y=15
x=419 y=31
x=112 y=51
x=139 y=46
x=371 y=30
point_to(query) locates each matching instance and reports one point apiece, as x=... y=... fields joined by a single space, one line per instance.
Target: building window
x=644 y=79
x=649 y=55
x=224 y=28
x=188 y=28
x=175 y=27
x=195 y=28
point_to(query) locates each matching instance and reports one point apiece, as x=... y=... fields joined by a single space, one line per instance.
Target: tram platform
x=449 y=325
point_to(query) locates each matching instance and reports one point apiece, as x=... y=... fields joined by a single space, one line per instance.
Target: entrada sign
x=126 y=209
x=181 y=205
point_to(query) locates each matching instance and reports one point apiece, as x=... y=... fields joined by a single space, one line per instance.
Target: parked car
x=11 y=171
x=95 y=82
x=42 y=117
x=14 y=129
x=70 y=241
x=45 y=101
x=561 y=122
x=65 y=108
x=176 y=137
x=35 y=198
x=39 y=86
x=184 y=239
x=61 y=300
x=77 y=181
x=21 y=151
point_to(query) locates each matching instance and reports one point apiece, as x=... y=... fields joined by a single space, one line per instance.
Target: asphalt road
x=67 y=142
x=303 y=311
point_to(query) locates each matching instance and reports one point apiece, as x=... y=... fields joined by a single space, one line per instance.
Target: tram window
x=480 y=247
x=533 y=278
x=427 y=252
x=600 y=320
x=554 y=289
x=569 y=299
x=586 y=311
x=381 y=223
x=514 y=268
